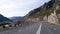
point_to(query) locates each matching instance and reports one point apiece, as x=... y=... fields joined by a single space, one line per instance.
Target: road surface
x=37 y=28
x=31 y=29
x=49 y=29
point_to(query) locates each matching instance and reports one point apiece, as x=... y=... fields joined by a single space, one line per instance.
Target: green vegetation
x=1 y=29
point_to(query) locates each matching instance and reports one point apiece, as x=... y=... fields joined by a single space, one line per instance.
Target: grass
x=2 y=29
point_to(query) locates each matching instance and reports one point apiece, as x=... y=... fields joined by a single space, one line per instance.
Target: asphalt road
x=31 y=29
x=37 y=28
x=49 y=29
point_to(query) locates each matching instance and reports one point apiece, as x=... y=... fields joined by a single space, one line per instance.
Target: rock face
x=53 y=18
x=45 y=18
x=33 y=20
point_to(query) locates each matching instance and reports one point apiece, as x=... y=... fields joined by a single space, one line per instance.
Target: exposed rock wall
x=33 y=20
x=45 y=18
x=53 y=18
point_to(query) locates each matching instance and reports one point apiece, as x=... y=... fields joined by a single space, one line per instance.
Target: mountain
x=15 y=18
x=44 y=10
x=2 y=18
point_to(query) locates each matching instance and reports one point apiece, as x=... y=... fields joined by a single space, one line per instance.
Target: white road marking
x=39 y=29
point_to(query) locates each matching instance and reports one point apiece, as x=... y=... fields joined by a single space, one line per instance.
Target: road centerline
x=39 y=29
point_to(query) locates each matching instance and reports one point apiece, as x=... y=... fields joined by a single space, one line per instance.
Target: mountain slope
x=43 y=10
x=46 y=9
x=2 y=18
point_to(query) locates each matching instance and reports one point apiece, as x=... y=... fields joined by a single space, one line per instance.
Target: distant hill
x=15 y=18
x=2 y=18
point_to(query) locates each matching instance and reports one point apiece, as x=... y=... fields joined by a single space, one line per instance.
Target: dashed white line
x=39 y=29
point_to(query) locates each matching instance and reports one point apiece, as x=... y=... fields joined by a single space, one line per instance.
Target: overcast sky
x=10 y=8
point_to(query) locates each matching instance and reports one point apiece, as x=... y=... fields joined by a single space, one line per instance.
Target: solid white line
x=39 y=29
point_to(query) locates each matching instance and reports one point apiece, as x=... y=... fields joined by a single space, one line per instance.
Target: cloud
x=11 y=8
